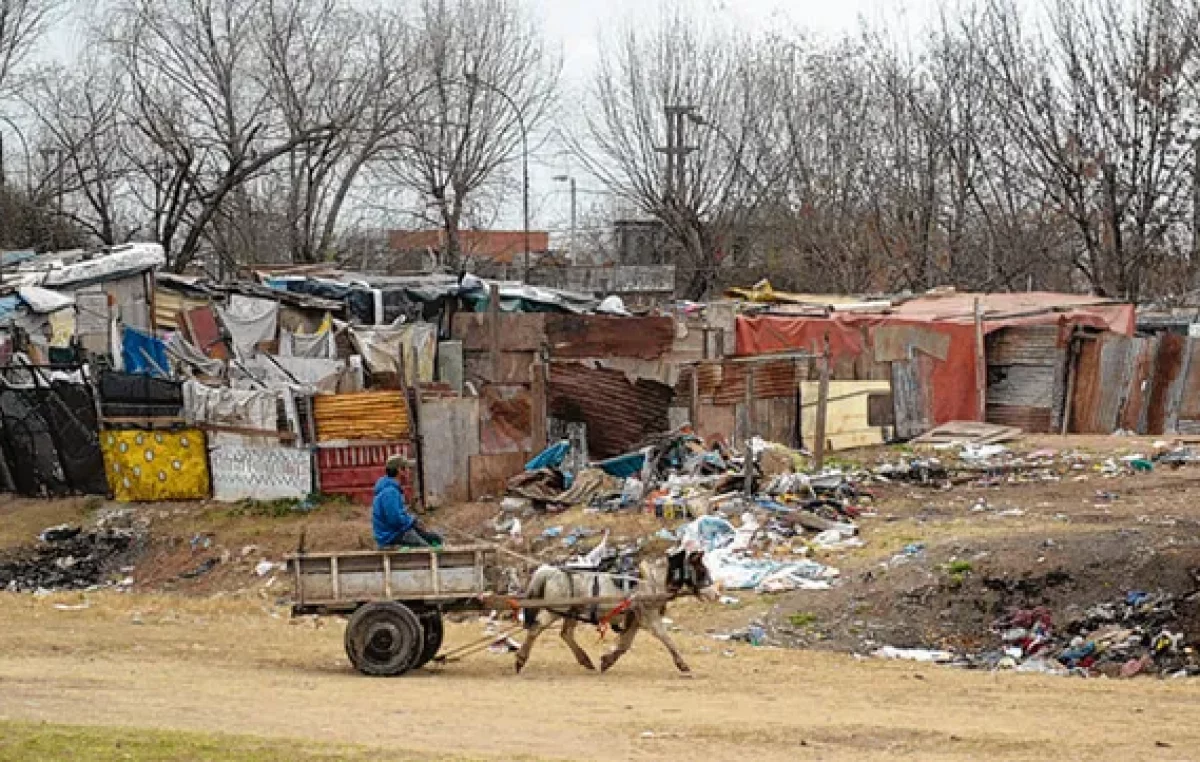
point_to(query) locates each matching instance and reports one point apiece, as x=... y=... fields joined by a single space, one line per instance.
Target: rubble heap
x=1134 y=635
x=71 y=558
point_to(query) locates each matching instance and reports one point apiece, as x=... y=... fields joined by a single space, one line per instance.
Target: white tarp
x=383 y=348
x=241 y=408
x=44 y=301
x=261 y=473
x=250 y=321
x=123 y=260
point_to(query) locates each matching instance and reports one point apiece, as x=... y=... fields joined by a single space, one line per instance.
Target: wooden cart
x=395 y=598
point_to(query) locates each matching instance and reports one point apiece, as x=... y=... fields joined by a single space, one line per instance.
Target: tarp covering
x=261 y=473
x=146 y=466
x=49 y=439
x=121 y=261
x=316 y=346
x=250 y=321
x=952 y=378
x=241 y=408
x=383 y=348
x=143 y=353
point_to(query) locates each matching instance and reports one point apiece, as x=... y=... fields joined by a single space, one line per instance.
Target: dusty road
x=239 y=667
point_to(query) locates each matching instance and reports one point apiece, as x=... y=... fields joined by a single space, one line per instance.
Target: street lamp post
x=524 y=160
x=571 y=245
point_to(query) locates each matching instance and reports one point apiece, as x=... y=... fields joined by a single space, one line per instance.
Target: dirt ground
x=220 y=654
x=241 y=667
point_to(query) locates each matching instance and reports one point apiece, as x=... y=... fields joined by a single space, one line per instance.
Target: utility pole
x=677 y=150
x=571 y=245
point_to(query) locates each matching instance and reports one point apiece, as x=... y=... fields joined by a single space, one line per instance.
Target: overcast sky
x=575 y=27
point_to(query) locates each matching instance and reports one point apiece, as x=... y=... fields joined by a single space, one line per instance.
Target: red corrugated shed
x=952 y=379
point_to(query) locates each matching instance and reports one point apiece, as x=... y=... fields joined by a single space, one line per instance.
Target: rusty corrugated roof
x=619 y=414
x=364 y=415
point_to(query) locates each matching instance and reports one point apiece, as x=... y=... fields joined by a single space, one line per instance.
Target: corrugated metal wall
x=363 y=415
x=352 y=470
x=619 y=414
x=1146 y=385
x=1026 y=378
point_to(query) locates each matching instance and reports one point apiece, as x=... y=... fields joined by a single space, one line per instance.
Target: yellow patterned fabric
x=145 y=466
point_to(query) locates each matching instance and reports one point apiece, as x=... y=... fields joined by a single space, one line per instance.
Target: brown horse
x=685 y=571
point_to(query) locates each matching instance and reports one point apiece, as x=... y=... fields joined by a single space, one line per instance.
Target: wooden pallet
x=968 y=432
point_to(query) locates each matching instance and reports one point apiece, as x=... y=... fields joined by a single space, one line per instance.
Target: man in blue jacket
x=394 y=526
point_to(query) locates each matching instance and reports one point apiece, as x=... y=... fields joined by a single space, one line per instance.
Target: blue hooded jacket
x=389 y=516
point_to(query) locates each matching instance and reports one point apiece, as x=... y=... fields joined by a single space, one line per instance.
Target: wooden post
x=822 y=411
x=537 y=387
x=494 y=330
x=748 y=404
x=694 y=412
x=980 y=363
x=1072 y=373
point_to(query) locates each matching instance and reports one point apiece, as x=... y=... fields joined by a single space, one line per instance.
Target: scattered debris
x=71 y=558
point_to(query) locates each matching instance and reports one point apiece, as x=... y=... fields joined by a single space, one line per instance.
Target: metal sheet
x=725 y=383
x=1026 y=378
x=1030 y=419
x=1133 y=412
x=599 y=336
x=619 y=414
x=1188 y=417
x=362 y=415
x=912 y=393
x=505 y=419
x=352 y=470
x=1166 y=383
x=1102 y=383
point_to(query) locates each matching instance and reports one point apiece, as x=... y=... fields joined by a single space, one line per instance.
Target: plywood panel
x=490 y=473
x=848 y=417
x=450 y=430
x=505 y=419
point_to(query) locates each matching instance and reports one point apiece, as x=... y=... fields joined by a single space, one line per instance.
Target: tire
x=384 y=639
x=431 y=625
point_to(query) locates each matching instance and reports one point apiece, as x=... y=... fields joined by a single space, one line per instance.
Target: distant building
x=641 y=242
x=482 y=250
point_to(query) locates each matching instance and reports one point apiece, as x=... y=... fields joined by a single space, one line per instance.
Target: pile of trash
x=784 y=513
x=993 y=464
x=72 y=558
x=752 y=557
x=1135 y=635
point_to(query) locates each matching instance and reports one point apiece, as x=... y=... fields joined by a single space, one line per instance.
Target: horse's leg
x=568 y=636
x=531 y=634
x=632 y=623
x=654 y=623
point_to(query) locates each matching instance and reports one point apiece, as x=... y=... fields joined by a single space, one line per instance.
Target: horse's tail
x=536 y=589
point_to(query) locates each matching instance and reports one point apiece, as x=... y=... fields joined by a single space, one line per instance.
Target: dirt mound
x=950 y=596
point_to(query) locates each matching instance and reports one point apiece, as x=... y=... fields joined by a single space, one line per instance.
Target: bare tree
x=82 y=128
x=481 y=81
x=698 y=85
x=1099 y=110
x=208 y=121
x=328 y=64
x=22 y=25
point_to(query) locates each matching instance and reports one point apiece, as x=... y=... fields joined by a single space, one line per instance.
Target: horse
x=685 y=570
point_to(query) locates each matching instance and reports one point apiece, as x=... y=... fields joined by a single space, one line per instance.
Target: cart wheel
x=384 y=639
x=431 y=624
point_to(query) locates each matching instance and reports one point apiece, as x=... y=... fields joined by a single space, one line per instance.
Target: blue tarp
x=624 y=466
x=144 y=354
x=551 y=457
